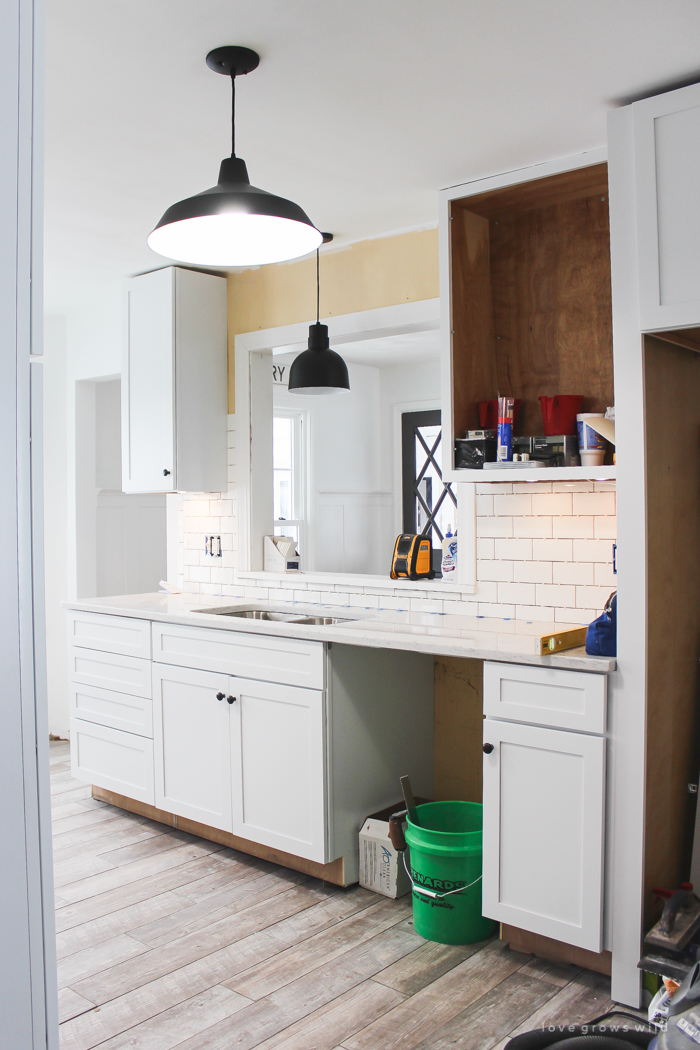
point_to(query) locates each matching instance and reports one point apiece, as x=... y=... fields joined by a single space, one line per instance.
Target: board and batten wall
x=544 y=550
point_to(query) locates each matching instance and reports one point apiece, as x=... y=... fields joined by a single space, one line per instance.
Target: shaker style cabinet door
x=277 y=756
x=191 y=744
x=543 y=831
x=666 y=165
x=148 y=384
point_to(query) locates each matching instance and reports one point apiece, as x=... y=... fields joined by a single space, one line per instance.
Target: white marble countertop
x=477 y=637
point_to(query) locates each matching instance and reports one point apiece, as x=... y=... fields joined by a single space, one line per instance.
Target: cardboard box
x=381 y=866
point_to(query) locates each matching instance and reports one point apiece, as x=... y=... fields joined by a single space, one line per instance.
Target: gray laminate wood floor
x=165 y=940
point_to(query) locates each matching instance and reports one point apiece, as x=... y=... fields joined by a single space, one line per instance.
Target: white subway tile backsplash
x=592 y=550
x=535 y=528
x=592 y=597
x=484 y=505
x=425 y=605
x=572 y=527
x=495 y=570
x=532 y=572
x=484 y=548
x=572 y=486
x=594 y=502
x=513 y=550
x=494 y=526
x=517 y=593
x=577 y=617
x=605 y=528
x=504 y=612
x=604 y=575
x=486 y=591
x=552 y=503
x=572 y=572
x=530 y=488
x=364 y=601
x=552 y=550
x=534 y=612
x=511 y=505
x=556 y=595
x=493 y=488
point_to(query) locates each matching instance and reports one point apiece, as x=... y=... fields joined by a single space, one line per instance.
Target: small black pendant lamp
x=318 y=370
x=234 y=223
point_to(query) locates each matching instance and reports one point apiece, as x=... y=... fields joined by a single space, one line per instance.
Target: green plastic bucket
x=446 y=857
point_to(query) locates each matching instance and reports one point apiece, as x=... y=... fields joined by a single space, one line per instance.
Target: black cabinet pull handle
x=219 y=696
x=487 y=749
x=165 y=473
x=231 y=699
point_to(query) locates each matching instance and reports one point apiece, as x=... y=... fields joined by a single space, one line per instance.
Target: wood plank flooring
x=165 y=940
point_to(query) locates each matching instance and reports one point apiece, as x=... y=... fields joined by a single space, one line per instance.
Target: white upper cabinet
x=174 y=382
x=666 y=165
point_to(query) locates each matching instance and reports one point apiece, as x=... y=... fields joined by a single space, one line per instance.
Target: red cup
x=488 y=414
x=559 y=413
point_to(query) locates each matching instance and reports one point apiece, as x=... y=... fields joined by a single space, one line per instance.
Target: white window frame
x=300 y=479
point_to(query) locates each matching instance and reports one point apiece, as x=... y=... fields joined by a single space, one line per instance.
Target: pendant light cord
x=318 y=290
x=233 y=113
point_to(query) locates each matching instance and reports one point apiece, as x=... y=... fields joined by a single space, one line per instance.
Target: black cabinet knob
x=231 y=699
x=219 y=696
x=165 y=473
x=487 y=749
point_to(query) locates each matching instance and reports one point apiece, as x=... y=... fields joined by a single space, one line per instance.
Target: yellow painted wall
x=364 y=276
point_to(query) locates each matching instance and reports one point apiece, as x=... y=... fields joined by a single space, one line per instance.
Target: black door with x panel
x=429 y=504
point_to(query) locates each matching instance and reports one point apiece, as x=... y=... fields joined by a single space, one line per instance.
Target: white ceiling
x=360 y=110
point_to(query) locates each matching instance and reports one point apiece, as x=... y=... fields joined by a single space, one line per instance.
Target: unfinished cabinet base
x=557 y=951
x=333 y=872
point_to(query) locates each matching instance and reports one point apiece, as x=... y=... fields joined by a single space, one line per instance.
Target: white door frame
x=28 y=997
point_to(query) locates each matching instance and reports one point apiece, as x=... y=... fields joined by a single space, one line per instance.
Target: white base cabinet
x=111 y=759
x=278 y=767
x=283 y=743
x=191 y=745
x=544 y=803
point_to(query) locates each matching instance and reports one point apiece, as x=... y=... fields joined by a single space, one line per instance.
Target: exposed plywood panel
x=459 y=702
x=333 y=872
x=473 y=345
x=672 y=407
x=552 y=304
x=548 y=948
x=541 y=193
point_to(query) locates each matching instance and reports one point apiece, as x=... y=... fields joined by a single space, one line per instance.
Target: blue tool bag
x=601 y=636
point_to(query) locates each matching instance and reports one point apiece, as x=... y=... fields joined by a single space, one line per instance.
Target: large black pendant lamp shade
x=234 y=223
x=318 y=370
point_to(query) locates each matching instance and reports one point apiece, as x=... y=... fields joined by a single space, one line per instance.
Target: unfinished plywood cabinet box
x=525 y=260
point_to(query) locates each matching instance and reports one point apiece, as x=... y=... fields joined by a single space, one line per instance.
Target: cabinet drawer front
x=277 y=749
x=124 y=674
x=132 y=714
x=546 y=696
x=110 y=634
x=544 y=793
x=111 y=759
x=264 y=657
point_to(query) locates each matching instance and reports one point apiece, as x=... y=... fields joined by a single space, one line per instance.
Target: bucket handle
x=432 y=893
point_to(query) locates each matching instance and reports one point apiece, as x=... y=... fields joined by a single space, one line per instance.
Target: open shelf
x=532 y=304
x=501 y=474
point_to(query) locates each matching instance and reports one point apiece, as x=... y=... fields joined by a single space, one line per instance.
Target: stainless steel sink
x=277 y=616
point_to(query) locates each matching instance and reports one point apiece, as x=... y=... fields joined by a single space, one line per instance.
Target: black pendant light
x=234 y=223
x=318 y=370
